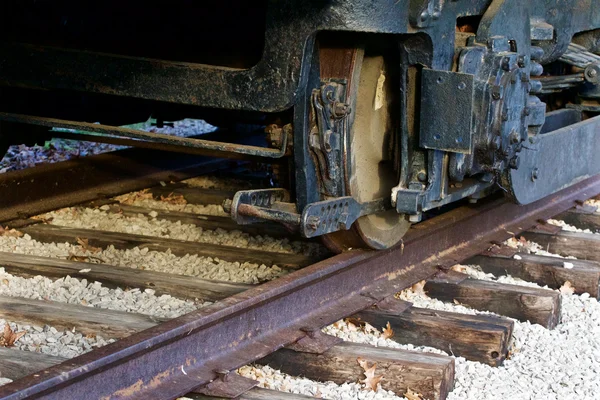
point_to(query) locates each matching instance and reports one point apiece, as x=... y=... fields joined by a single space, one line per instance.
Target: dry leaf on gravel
x=174 y=199
x=131 y=198
x=567 y=288
x=9 y=337
x=388 y=332
x=410 y=395
x=10 y=232
x=371 y=380
x=459 y=268
x=84 y=243
x=418 y=288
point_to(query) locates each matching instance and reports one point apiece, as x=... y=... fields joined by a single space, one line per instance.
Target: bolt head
x=535 y=173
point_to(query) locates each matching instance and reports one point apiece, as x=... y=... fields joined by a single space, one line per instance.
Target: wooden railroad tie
x=584 y=246
x=483 y=338
x=539 y=306
x=430 y=375
x=583 y=275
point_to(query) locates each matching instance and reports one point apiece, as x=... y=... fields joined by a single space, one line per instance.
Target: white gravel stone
x=93 y=218
x=49 y=340
x=569 y=228
x=193 y=265
x=529 y=247
x=270 y=378
x=93 y=294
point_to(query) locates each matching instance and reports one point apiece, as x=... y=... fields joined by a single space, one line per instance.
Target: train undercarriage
x=370 y=113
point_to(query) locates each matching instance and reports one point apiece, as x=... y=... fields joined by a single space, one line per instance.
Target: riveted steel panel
x=446 y=110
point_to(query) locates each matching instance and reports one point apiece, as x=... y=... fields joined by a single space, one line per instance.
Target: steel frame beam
x=178 y=356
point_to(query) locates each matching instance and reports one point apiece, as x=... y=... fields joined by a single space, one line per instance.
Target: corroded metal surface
x=183 y=354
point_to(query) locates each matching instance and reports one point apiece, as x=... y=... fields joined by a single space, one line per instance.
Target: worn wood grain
x=483 y=338
x=88 y=320
x=55 y=233
x=584 y=246
x=113 y=276
x=544 y=270
x=15 y=364
x=540 y=306
x=429 y=374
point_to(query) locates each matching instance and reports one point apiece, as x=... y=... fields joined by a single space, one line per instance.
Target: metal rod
x=149 y=136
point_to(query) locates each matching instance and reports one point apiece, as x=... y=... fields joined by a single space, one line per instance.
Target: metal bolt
x=461 y=86
x=313 y=222
x=223 y=374
x=521 y=62
x=535 y=174
x=343 y=221
x=341 y=109
x=514 y=163
x=506 y=63
x=424 y=15
x=514 y=137
x=422 y=176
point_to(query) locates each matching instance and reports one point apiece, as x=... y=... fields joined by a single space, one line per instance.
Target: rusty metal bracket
x=315 y=341
x=228 y=385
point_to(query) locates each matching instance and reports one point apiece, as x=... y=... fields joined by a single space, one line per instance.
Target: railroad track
x=277 y=320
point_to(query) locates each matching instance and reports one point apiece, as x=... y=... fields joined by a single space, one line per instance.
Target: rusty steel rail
x=183 y=354
x=47 y=187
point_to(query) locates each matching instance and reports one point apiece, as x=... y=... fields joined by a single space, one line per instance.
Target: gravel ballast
x=94 y=218
x=94 y=294
x=48 y=340
x=193 y=265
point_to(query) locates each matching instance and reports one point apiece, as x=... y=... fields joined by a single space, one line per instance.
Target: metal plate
x=446 y=109
x=555 y=161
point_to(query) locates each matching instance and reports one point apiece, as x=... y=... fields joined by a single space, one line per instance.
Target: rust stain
x=126 y=392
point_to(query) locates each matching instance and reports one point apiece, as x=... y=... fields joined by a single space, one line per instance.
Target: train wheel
x=370 y=172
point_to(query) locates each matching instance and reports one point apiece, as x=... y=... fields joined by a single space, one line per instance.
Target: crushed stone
x=142 y=258
x=569 y=228
x=48 y=340
x=529 y=247
x=270 y=378
x=94 y=294
x=94 y=218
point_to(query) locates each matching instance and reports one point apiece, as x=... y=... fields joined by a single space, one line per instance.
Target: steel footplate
x=337 y=214
x=555 y=160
